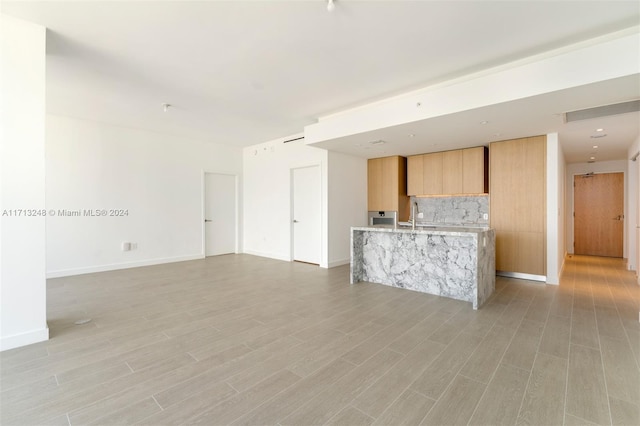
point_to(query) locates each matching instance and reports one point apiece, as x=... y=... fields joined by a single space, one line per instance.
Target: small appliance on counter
x=383 y=218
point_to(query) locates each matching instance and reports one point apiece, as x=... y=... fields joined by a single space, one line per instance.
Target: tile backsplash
x=453 y=210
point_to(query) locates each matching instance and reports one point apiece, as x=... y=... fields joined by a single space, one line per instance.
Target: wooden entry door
x=599 y=214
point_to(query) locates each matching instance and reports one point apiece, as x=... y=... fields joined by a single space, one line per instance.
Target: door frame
x=203 y=200
x=291 y=202
x=570 y=211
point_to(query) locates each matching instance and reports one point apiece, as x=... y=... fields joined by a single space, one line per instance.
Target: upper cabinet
x=387 y=185
x=462 y=171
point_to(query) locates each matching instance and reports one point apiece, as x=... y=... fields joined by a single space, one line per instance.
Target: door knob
x=295 y=221
x=208 y=220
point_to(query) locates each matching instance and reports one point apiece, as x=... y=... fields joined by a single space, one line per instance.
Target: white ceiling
x=244 y=72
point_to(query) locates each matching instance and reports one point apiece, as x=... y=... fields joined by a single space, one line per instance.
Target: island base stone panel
x=452 y=262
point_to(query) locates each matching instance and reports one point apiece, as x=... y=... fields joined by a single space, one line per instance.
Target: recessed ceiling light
x=599 y=130
x=411 y=135
x=592 y=158
x=378 y=142
x=484 y=122
x=595 y=147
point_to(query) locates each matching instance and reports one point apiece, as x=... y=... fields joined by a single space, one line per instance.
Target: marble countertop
x=435 y=230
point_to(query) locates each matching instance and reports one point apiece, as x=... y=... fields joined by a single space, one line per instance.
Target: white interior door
x=307 y=219
x=220 y=214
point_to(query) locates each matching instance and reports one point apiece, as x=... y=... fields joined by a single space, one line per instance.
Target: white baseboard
x=125 y=265
x=24 y=339
x=564 y=261
x=339 y=263
x=269 y=255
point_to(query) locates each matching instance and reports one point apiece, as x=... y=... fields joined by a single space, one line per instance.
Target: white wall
x=347 y=203
x=555 y=209
x=267 y=196
x=633 y=203
x=22 y=147
x=597 y=167
x=157 y=178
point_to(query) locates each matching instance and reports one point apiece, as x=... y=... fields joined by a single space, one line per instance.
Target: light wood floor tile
x=620 y=369
x=555 y=338
x=570 y=420
x=457 y=404
x=17 y=400
x=72 y=401
x=501 y=401
x=439 y=374
x=381 y=339
x=539 y=309
x=350 y=417
x=291 y=399
x=418 y=333
x=586 y=392
x=62 y=420
x=181 y=412
x=328 y=403
x=609 y=323
x=624 y=412
x=634 y=339
x=375 y=399
x=232 y=408
x=129 y=414
x=522 y=349
x=543 y=402
x=408 y=409
x=451 y=328
x=513 y=314
x=485 y=359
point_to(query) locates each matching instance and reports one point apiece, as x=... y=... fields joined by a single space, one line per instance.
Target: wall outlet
x=420 y=215
x=126 y=246
x=134 y=246
x=485 y=216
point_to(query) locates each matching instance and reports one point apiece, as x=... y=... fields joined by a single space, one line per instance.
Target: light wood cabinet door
x=374 y=184
x=389 y=187
x=432 y=173
x=452 y=172
x=474 y=171
x=518 y=204
x=415 y=178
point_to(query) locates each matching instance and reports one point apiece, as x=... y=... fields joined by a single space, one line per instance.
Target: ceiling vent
x=603 y=111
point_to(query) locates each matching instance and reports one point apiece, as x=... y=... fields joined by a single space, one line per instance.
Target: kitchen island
x=456 y=262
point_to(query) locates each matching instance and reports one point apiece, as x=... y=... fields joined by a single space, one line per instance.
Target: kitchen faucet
x=414 y=209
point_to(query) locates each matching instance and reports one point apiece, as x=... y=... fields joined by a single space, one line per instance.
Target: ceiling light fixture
x=484 y=122
x=595 y=147
x=599 y=130
x=165 y=107
x=330 y=5
x=601 y=135
x=592 y=158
